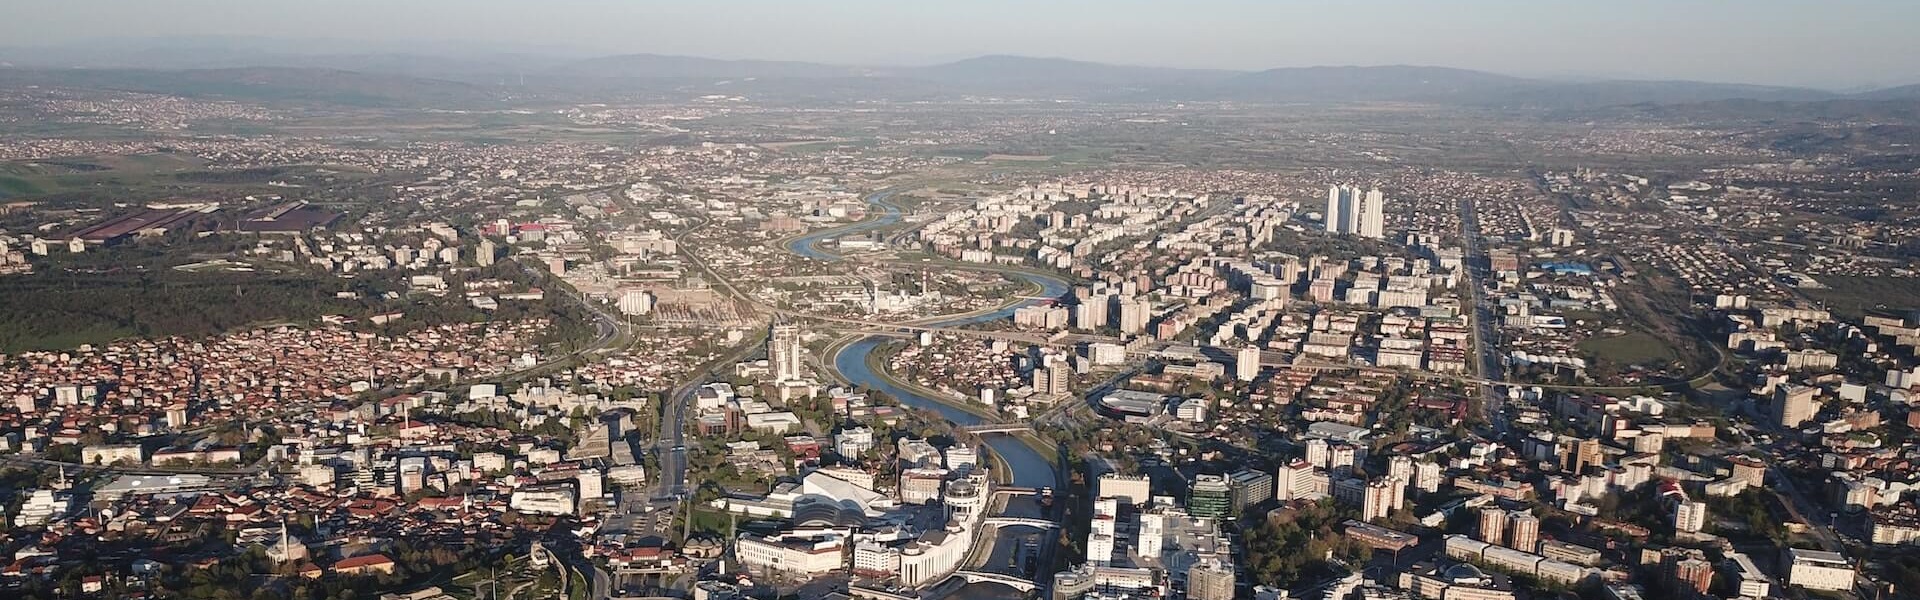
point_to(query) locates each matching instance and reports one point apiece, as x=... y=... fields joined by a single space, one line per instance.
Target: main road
x=1485 y=337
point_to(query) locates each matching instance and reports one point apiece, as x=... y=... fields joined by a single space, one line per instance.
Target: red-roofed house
x=361 y=565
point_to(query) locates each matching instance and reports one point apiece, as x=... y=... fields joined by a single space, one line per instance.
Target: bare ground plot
x=1630 y=349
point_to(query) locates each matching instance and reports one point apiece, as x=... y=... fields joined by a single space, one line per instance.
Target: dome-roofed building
x=822 y=512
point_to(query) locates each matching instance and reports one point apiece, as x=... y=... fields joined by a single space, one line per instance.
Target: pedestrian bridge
x=1024 y=585
x=1019 y=521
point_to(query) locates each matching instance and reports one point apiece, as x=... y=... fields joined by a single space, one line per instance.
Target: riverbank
x=877 y=363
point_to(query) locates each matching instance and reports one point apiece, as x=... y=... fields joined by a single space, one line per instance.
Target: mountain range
x=259 y=71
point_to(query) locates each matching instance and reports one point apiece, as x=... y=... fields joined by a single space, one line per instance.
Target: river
x=809 y=245
x=1030 y=468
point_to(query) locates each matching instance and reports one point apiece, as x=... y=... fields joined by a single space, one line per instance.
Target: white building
x=1103 y=354
x=1191 y=410
x=1246 y=363
x=853 y=442
x=935 y=555
x=1132 y=490
x=873 y=559
x=961 y=457
x=112 y=454
x=42 y=507
x=784 y=352
x=1690 y=516
x=544 y=500
x=1748 y=580
x=636 y=302
x=1351 y=211
x=799 y=553
x=1819 y=570
x=1101 y=542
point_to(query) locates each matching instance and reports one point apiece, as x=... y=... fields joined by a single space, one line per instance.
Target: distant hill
x=1905 y=92
x=269 y=70
x=1345 y=84
x=269 y=84
x=1617 y=93
x=1054 y=72
x=656 y=66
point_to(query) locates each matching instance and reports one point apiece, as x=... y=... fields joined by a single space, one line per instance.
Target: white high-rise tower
x=1352 y=211
x=783 y=351
x=1373 y=216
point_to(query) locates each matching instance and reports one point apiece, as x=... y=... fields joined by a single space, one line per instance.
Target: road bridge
x=1021 y=522
x=1024 y=585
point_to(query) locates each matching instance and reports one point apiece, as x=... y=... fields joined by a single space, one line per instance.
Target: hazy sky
x=1829 y=43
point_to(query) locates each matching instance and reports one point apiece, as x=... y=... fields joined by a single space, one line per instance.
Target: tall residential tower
x=1351 y=211
x=783 y=352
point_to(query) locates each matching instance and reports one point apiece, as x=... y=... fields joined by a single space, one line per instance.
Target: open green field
x=1632 y=348
x=1849 y=297
x=51 y=311
x=11 y=186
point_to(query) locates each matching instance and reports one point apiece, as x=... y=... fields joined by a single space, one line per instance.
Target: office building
x=1748 y=581
x=1299 y=480
x=1210 y=497
x=804 y=554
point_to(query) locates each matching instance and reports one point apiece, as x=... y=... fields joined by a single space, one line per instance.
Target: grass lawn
x=1632 y=348
x=1849 y=297
x=709 y=520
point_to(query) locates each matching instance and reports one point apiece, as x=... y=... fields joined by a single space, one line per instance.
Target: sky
x=1837 y=44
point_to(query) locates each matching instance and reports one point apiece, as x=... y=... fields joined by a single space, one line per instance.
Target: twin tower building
x=1353 y=212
